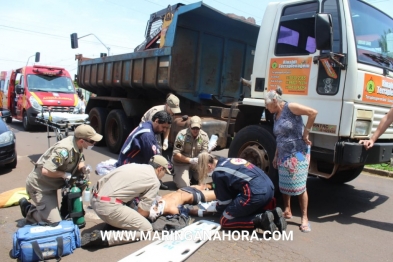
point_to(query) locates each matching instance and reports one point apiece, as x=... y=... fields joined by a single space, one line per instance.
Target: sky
x=44 y=26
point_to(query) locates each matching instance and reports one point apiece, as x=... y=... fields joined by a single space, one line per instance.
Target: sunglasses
x=195 y=128
x=90 y=141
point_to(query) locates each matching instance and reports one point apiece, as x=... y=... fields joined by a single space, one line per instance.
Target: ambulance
x=33 y=90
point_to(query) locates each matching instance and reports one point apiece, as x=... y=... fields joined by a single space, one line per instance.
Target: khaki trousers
x=183 y=174
x=44 y=206
x=120 y=216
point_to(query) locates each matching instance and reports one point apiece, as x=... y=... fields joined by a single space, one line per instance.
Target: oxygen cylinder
x=77 y=208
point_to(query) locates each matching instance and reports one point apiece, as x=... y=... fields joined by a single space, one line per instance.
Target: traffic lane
x=350 y=222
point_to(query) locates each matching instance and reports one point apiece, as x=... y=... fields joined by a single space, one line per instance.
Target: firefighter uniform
x=188 y=146
x=117 y=188
x=242 y=191
x=140 y=146
x=62 y=156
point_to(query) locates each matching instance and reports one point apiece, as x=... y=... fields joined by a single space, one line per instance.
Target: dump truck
x=334 y=56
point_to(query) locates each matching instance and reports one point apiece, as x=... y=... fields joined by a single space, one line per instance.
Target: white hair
x=274 y=95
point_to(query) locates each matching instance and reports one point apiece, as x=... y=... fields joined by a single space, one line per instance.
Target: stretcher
x=179 y=249
x=60 y=123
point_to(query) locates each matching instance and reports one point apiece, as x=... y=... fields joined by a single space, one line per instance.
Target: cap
x=174 y=103
x=196 y=122
x=87 y=132
x=160 y=160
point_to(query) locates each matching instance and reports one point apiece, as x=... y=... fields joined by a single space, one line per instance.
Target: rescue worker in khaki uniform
x=188 y=144
x=58 y=163
x=116 y=189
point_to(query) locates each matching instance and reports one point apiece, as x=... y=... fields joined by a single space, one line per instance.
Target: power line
x=57 y=36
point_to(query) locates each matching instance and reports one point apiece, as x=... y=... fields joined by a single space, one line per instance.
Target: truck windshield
x=45 y=83
x=373 y=34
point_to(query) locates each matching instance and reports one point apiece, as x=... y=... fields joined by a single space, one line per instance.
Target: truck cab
x=36 y=89
x=333 y=56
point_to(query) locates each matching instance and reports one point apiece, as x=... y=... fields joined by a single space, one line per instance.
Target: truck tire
x=97 y=118
x=257 y=145
x=26 y=125
x=345 y=176
x=8 y=120
x=117 y=129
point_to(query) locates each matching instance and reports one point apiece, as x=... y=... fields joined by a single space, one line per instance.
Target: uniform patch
x=178 y=145
x=57 y=161
x=64 y=153
x=238 y=161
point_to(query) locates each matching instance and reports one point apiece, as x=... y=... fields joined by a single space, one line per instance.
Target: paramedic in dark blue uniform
x=141 y=144
x=243 y=191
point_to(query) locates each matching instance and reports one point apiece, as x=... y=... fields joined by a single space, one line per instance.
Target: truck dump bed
x=205 y=55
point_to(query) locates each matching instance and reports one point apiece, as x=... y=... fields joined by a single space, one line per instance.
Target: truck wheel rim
x=257 y=155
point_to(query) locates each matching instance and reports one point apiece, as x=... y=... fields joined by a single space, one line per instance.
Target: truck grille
x=63 y=109
x=379 y=113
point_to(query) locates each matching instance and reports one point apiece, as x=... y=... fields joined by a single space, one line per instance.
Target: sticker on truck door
x=377 y=89
x=291 y=74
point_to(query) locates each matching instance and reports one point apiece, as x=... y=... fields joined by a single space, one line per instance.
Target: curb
x=378 y=172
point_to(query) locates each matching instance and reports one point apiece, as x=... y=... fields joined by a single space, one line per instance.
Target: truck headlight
x=34 y=103
x=362 y=127
x=6 y=137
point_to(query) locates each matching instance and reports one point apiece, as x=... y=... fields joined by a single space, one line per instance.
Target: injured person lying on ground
x=173 y=203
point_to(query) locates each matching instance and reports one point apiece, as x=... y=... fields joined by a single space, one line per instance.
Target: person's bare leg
x=303 y=201
x=209 y=195
x=287 y=206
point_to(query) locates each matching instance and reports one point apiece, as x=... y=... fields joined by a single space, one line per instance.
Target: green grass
x=385 y=167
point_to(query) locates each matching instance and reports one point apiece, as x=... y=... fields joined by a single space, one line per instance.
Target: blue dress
x=293 y=153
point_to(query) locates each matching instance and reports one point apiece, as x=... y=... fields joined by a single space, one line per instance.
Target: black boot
x=93 y=239
x=279 y=219
x=265 y=221
x=163 y=186
x=24 y=206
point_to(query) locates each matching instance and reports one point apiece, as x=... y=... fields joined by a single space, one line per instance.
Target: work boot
x=163 y=186
x=24 y=205
x=265 y=221
x=93 y=239
x=279 y=219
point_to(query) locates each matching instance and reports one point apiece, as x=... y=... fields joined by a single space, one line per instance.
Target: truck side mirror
x=74 y=40
x=324 y=31
x=37 y=57
x=19 y=90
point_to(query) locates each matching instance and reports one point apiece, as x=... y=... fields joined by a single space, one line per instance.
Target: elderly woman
x=292 y=155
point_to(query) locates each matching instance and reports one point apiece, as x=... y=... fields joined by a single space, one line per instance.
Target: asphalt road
x=350 y=222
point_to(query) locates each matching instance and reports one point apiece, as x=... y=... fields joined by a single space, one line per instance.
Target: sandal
x=305 y=228
x=287 y=215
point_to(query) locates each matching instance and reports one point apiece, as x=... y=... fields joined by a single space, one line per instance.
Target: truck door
x=292 y=65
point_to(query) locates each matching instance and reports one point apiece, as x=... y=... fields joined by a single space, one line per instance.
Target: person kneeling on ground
x=117 y=188
x=243 y=191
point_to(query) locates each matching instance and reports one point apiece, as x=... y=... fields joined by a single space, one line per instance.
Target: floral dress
x=293 y=153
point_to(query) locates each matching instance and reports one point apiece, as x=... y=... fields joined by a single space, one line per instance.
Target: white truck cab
x=335 y=56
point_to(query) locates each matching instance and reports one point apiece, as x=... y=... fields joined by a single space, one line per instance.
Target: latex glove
x=86 y=169
x=212 y=148
x=67 y=175
x=194 y=161
x=165 y=144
